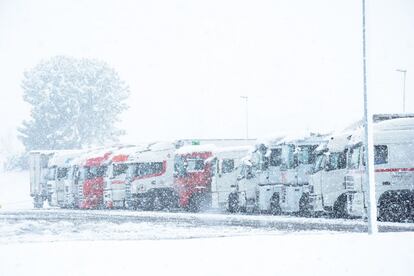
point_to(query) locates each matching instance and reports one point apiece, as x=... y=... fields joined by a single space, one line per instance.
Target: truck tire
x=340 y=207
x=38 y=202
x=233 y=203
x=275 y=208
x=304 y=206
x=170 y=201
x=393 y=210
x=198 y=202
x=157 y=202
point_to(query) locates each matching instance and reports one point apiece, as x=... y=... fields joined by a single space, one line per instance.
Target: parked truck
x=59 y=170
x=91 y=179
x=38 y=170
x=149 y=183
x=394 y=171
x=326 y=182
x=116 y=177
x=275 y=177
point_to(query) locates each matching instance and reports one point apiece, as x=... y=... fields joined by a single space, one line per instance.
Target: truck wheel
x=194 y=203
x=340 y=207
x=275 y=208
x=304 y=206
x=233 y=203
x=394 y=210
x=198 y=202
x=38 y=202
x=170 y=201
x=157 y=202
x=146 y=202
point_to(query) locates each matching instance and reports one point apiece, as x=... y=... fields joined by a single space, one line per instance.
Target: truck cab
x=38 y=170
x=327 y=191
x=58 y=175
x=394 y=171
x=115 y=179
x=150 y=178
x=91 y=180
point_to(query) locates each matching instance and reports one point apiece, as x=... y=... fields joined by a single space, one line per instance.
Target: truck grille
x=349 y=182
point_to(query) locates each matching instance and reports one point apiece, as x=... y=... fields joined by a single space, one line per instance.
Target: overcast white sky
x=188 y=62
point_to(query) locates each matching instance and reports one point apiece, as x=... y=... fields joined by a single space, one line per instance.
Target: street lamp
x=247 y=115
x=368 y=139
x=405 y=73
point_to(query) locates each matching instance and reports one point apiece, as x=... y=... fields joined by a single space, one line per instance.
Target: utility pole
x=405 y=73
x=246 y=98
x=368 y=141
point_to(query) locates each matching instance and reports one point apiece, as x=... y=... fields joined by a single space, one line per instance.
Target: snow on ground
x=89 y=229
x=15 y=190
x=293 y=254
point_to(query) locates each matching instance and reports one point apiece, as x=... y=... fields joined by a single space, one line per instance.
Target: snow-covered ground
x=292 y=254
x=65 y=242
x=15 y=191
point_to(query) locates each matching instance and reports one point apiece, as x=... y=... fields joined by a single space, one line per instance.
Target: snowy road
x=61 y=225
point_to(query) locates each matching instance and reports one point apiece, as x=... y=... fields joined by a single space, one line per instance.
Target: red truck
x=91 y=184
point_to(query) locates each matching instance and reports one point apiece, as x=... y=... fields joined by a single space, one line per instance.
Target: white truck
x=38 y=169
x=149 y=181
x=117 y=175
x=394 y=171
x=326 y=182
x=275 y=178
x=59 y=173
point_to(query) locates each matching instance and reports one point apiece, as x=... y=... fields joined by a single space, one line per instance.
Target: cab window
x=119 y=169
x=227 y=165
x=380 y=154
x=275 y=157
x=195 y=164
x=354 y=157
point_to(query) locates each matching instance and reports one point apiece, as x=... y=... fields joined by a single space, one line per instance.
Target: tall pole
x=368 y=143
x=405 y=73
x=247 y=115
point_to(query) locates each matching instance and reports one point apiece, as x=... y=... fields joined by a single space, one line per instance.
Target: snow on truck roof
x=293 y=138
x=64 y=157
x=386 y=128
x=339 y=142
x=395 y=124
x=210 y=148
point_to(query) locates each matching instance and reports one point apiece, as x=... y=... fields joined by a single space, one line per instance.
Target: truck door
x=225 y=179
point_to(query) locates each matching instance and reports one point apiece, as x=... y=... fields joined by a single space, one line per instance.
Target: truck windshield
x=306 y=154
x=354 y=157
x=336 y=161
x=96 y=171
x=288 y=156
x=275 y=157
x=119 y=169
x=195 y=164
x=319 y=163
x=180 y=168
x=146 y=169
x=62 y=173
x=51 y=172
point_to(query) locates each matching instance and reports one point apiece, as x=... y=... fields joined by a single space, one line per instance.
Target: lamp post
x=246 y=98
x=405 y=73
x=368 y=141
